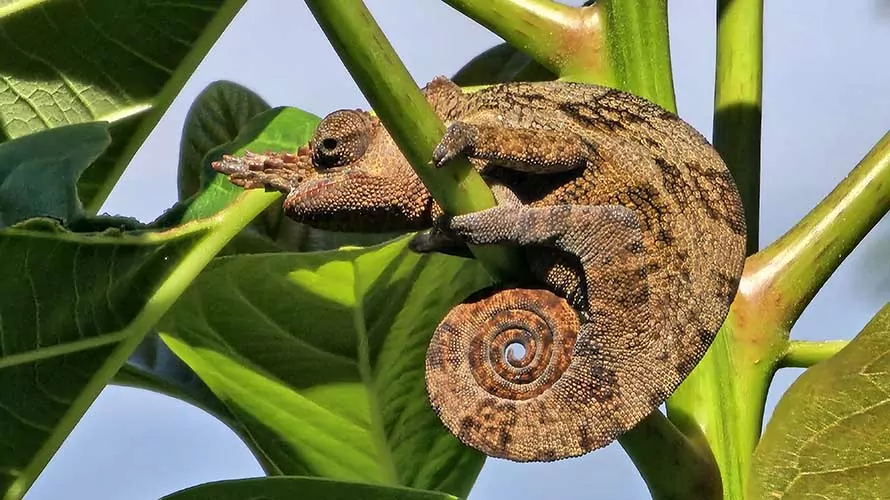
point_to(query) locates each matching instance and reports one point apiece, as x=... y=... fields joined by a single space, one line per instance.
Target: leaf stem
x=566 y=40
x=734 y=375
x=737 y=101
x=806 y=353
x=407 y=115
x=691 y=471
x=636 y=36
x=790 y=271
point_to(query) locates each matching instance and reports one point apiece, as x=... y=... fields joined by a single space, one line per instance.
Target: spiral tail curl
x=528 y=408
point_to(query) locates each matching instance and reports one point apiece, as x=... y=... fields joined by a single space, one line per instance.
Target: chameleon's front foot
x=273 y=171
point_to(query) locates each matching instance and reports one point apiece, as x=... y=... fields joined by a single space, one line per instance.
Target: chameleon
x=629 y=222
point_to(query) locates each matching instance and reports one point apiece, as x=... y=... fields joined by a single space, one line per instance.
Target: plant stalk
x=407 y=116
x=790 y=271
x=738 y=99
x=566 y=40
x=733 y=378
x=691 y=471
x=806 y=353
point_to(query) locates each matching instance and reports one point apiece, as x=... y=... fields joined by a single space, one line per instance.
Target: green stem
x=686 y=469
x=407 y=115
x=791 y=270
x=733 y=378
x=737 y=101
x=805 y=353
x=552 y=34
x=639 y=49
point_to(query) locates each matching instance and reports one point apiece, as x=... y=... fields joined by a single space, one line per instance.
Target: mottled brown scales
x=625 y=213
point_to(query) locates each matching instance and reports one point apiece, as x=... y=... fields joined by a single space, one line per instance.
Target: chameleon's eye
x=341 y=138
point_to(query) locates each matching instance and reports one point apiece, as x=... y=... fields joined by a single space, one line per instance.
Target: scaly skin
x=630 y=222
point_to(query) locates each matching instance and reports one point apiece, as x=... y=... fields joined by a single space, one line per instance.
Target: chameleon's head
x=363 y=181
x=350 y=177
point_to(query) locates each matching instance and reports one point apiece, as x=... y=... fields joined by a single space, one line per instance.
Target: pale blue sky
x=825 y=104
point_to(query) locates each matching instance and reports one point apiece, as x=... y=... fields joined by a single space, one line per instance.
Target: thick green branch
x=407 y=115
x=737 y=101
x=805 y=353
x=673 y=467
x=795 y=267
x=552 y=34
x=639 y=55
x=733 y=377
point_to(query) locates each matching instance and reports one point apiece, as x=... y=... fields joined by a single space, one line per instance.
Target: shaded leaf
x=296 y=488
x=501 y=63
x=320 y=356
x=75 y=306
x=153 y=366
x=67 y=300
x=38 y=172
x=215 y=118
x=828 y=435
x=65 y=62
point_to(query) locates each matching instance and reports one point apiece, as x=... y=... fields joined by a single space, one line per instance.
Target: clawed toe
x=458 y=139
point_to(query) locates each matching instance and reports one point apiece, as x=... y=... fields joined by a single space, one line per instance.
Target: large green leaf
x=301 y=488
x=64 y=62
x=321 y=356
x=68 y=300
x=74 y=307
x=828 y=436
x=38 y=173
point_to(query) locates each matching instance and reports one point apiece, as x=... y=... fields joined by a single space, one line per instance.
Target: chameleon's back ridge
x=629 y=221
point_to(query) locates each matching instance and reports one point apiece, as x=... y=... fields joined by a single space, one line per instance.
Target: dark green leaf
x=64 y=62
x=828 y=436
x=75 y=306
x=67 y=300
x=215 y=118
x=300 y=488
x=501 y=63
x=38 y=172
x=320 y=356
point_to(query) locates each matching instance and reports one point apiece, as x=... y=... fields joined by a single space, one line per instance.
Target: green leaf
x=67 y=300
x=501 y=63
x=215 y=118
x=296 y=488
x=321 y=358
x=828 y=435
x=75 y=307
x=38 y=172
x=123 y=62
